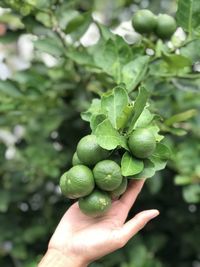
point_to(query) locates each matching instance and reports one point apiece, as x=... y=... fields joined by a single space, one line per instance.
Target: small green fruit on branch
x=145 y=22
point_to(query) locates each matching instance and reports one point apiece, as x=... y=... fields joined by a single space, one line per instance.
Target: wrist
x=54 y=257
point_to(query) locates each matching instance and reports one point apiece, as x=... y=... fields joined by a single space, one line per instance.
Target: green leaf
x=80 y=56
x=148 y=171
x=176 y=62
x=105 y=32
x=12 y=20
x=159 y=163
x=50 y=45
x=182 y=180
x=162 y=152
x=94 y=109
x=188 y=85
x=130 y=165
x=110 y=55
x=64 y=15
x=125 y=53
x=191 y=50
x=113 y=104
x=144 y=119
x=134 y=71
x=96 y=119
x=178 y=131
x=106 y=57
x=124 y=117
x=108 y=137
x=139 y=106
x=183 y=116
x=39 y=3
x=158 y=69
x=191 y=193
x=9 y=88
x=160 y=48
x=78 y=25
x=155 y=131
x=188 y=16
x=45 y=19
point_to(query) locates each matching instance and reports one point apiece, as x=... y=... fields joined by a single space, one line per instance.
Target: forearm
x=54 y=258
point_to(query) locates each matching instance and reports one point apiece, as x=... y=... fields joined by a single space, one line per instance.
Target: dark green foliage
x=40 y=110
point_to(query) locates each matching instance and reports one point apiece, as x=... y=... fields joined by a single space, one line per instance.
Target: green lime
x=77 y=182
x=144 y=21
x=76 y=160
x=142 y=143
x=120 y=189
x=89 y=152
x=166 y=26
x=107 y=175
x=96 y=204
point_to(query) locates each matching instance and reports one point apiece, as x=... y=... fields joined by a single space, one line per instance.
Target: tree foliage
x=45 y=91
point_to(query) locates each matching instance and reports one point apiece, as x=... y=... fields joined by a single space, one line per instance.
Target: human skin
x=79 y=240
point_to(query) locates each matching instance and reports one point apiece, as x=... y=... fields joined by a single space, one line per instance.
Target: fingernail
x=154 y=213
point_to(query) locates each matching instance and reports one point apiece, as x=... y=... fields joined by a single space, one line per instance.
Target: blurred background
x=41 y=97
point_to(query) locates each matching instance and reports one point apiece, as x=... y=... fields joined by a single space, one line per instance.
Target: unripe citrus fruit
x=76 y=160
x=95 y=204
x=89 y=152
x=144 y=21
x=142 y=143
x=166 y=26
x=120 y=189
x=77 y=182
x=107 y=175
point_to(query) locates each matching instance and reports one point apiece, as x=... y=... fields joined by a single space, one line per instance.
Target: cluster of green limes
x=95 y=178
x=163 y=25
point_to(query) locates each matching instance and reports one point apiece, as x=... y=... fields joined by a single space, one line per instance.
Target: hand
x=81 y=239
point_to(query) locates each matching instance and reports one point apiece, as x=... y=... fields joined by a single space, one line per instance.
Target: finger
x=132 y=192
x=134 y=225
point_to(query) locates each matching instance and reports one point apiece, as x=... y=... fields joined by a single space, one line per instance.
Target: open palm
x=92 y=238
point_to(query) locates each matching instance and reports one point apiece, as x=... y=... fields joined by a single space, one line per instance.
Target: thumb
x=134 y=225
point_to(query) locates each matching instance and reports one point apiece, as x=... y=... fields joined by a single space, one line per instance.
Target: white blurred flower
x=178 y=37
x=91 y=36
x=7 y=137
x=126 y=31
x=49 y=60
x=25 y=46
x=5 y=72
x=10 y=153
